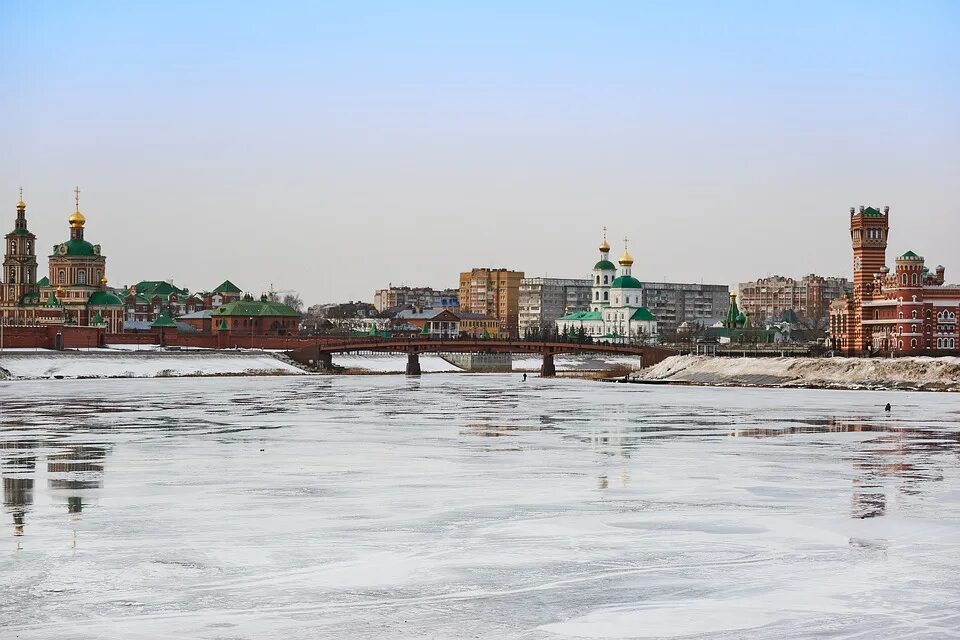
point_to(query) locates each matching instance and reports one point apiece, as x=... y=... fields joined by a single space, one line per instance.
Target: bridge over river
x=320 y=355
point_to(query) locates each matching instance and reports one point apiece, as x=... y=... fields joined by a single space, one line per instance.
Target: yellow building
x=494 y=293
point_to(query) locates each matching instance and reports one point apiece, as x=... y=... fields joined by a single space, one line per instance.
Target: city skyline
x=278 y=146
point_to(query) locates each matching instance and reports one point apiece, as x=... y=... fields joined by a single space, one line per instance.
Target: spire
x=77 y=219
x=604 y=247
x=20 y=203
x=626 y=260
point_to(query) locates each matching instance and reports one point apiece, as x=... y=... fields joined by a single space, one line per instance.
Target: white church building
x=616 y=311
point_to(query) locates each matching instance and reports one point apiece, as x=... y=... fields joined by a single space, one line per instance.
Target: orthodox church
x=616 y=311
x=75 y=291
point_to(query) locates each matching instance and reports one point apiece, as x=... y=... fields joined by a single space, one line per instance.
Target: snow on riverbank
x=922 y=373
x=103 y=364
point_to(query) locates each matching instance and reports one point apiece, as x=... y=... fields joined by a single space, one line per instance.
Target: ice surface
x=470 y=506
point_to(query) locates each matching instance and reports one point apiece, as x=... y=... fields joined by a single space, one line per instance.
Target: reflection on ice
x=474 y=506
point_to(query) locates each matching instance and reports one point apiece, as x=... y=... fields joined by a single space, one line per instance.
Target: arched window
x=596 y=294
x=606 y=296
x=598 y=279
x=900 y=344
x=914 y=313
x=605 y=279
x=900 y=315
x=913 y=343
x=81 y=277
x=61 y=276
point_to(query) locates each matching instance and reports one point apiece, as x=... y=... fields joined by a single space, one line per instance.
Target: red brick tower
x=20 y=260
x=868 y=233
x=910 y=318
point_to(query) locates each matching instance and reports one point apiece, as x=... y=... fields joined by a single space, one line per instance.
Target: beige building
x=809 y=297
x=494 y=293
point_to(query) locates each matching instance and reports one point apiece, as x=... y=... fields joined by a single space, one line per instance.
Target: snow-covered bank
x=919 y=373
x=103 y=364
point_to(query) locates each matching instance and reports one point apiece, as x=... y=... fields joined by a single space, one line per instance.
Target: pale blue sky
x=333 y=149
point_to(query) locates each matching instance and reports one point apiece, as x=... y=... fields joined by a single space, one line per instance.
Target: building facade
x=494 y=293
x=255 y=318
x=908 y=310
x=808 y=297
x=616 y=310
x=674 y=303
x=147 y=299
x=544 y=300
x=416 y=298
x=75 y=291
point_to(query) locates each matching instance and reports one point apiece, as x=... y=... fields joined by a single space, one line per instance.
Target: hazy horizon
x=335 y=149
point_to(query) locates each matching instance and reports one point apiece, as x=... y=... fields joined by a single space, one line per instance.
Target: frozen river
x=458 y=506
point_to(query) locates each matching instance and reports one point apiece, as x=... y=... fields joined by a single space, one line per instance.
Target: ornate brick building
x=75 y=292
x=907 y=311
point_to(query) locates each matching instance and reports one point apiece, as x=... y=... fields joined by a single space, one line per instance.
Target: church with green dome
x=616 y=311
x=75 y=291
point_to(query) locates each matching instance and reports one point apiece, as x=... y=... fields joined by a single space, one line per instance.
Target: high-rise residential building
x=809 y=297
x=544 y=300
x=674 y=303
x=495 y=293
x=415 y=297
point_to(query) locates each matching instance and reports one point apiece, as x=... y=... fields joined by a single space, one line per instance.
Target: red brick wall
x=44 y=337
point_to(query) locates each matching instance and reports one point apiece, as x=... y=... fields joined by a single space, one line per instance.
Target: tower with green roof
x=19 y=276
x=604 y=273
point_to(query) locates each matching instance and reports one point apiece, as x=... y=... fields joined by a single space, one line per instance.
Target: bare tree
x=293 y=300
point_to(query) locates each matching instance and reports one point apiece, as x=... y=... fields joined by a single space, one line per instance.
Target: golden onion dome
x=604 y=247
x=626 y=260
x=103 y=280
x=77 y=219
x=21 y=204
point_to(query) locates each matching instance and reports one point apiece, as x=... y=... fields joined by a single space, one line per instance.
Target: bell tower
x=20 y=258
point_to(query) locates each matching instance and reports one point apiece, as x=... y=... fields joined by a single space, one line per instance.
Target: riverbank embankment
x=914 y=373
x=103 y=363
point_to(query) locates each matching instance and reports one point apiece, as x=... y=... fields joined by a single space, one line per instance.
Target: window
x=903 y=279
x=914 y=279
x=914 y=313
x=605 y=279
x=81 y=277
x=913 y=343
x=61 y=276
x=605 y=296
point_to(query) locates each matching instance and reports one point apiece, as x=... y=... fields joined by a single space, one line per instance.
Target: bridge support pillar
x=325 y=361
x=547 y=369
x=413 y=364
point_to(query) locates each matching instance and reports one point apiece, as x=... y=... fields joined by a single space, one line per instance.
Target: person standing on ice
x=887 y=408
x=524 y=377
